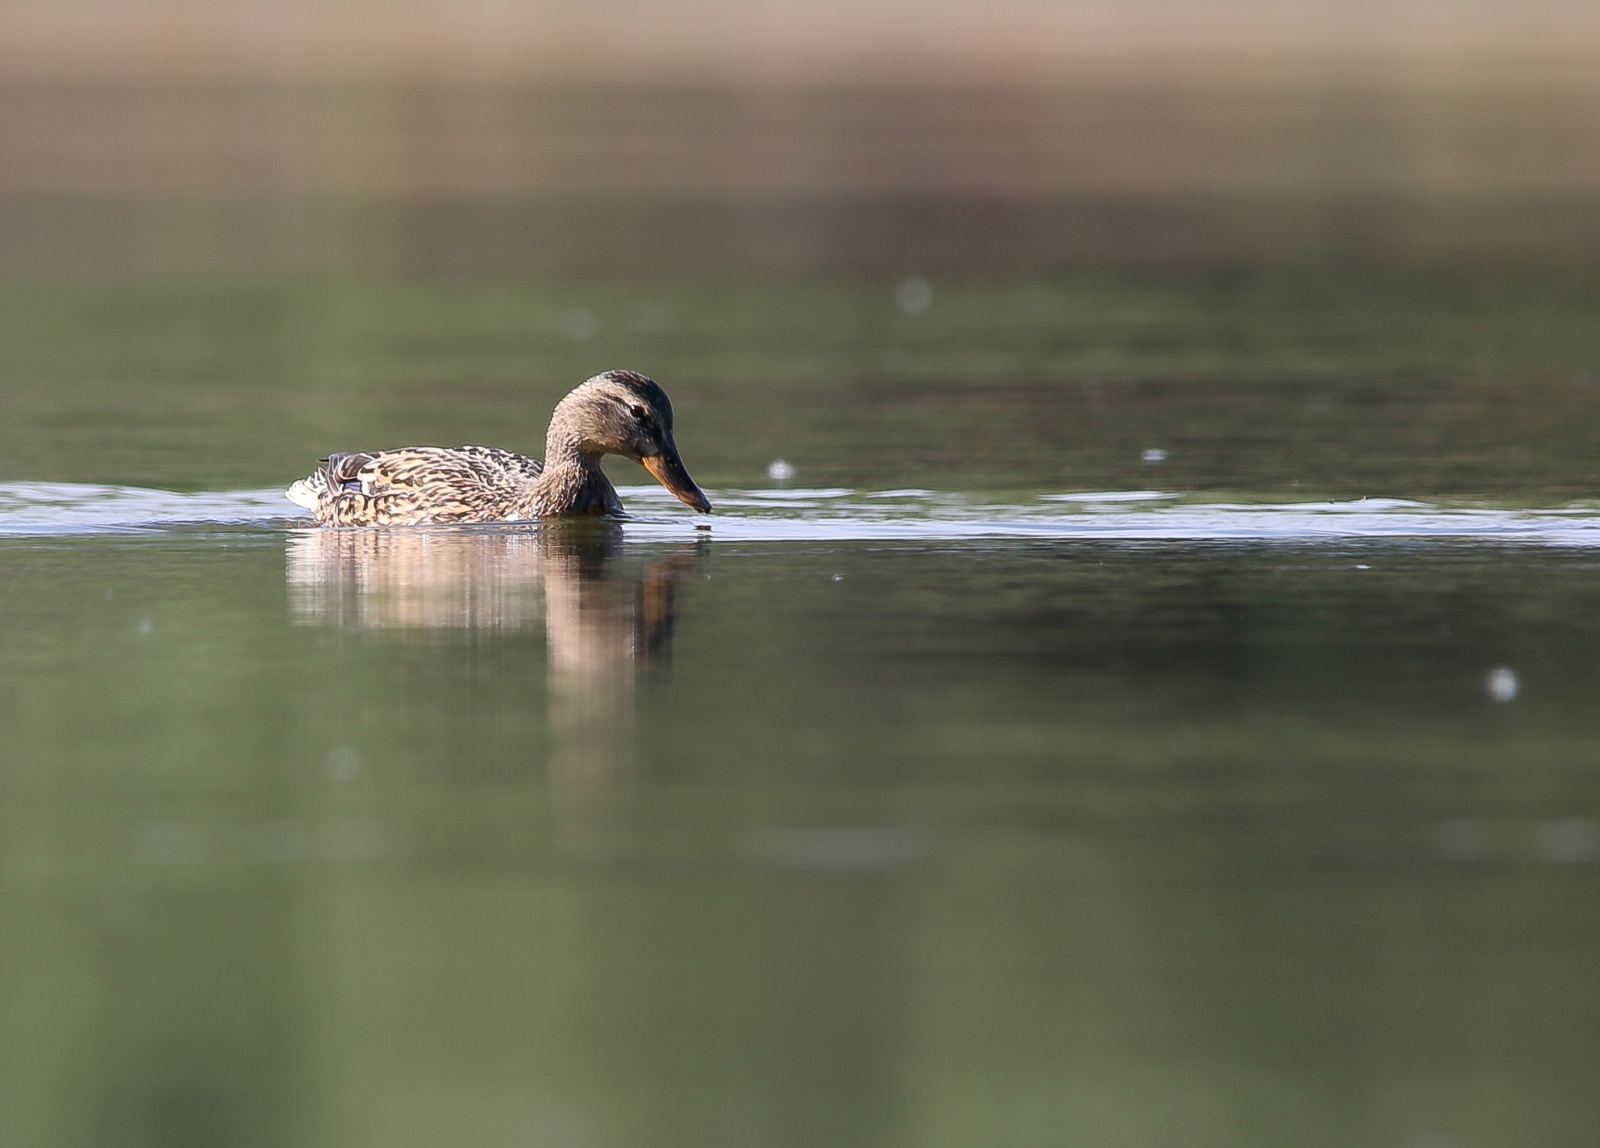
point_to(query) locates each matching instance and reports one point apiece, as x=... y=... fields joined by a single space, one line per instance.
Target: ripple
x=36 y=508
x=1155 y=516
x=839 y=514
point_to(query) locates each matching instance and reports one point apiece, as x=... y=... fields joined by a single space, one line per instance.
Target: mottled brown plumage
x=618 y=412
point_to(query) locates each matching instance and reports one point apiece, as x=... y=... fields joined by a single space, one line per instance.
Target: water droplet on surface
x=914 y=296
x=1502 y=685
x=580 y=324
x=342 y=764
x=780 y=470
x=1154 y=455
x=1566 y=841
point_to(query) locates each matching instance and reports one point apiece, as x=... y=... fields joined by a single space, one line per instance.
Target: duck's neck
x=571 y=481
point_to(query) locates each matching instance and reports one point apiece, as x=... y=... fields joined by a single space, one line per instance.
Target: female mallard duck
x=618 y=412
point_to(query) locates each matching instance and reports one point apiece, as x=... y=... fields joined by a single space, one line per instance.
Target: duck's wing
x=423 y=484
x=343 y=471
x=500 y=465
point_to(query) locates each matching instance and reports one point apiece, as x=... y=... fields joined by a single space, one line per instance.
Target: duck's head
x=623 y=412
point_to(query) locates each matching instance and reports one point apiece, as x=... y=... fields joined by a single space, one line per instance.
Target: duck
x=614 y=412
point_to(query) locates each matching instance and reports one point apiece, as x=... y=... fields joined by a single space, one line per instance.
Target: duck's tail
x=308 y=491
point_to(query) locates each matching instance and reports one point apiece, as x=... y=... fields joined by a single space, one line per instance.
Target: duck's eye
x=637 y=412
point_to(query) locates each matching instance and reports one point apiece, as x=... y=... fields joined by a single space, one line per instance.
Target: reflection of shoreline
x=600 y=619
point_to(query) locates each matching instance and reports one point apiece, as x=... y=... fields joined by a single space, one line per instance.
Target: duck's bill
x=668 y=470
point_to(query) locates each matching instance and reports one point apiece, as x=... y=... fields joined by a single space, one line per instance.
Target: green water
x=521 y=838
x=1421 y=383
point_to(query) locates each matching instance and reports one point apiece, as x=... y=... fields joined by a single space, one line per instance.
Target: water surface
x=988 y=782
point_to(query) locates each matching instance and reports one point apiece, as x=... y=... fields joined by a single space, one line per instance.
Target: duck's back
x=418 y=485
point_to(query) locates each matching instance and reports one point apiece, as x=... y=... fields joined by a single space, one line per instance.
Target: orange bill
x=668 y=470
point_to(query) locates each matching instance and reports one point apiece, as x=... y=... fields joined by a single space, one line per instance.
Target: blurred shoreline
x=119 y=237
x=495 y=138
x=598 y=42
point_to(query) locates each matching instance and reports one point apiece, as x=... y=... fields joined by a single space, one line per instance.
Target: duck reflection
x=602 y=619
x=600 y=627
x=416 y=579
